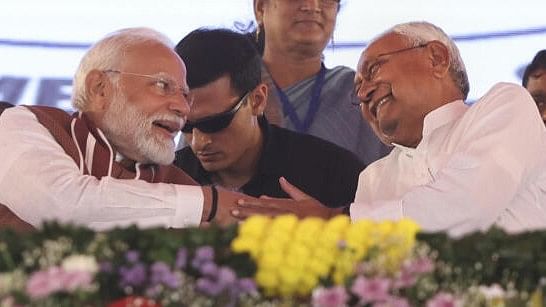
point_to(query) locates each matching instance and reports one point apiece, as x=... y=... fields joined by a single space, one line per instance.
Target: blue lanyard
x=314 y=103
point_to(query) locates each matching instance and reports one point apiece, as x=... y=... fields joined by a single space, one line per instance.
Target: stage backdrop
x=41 y=42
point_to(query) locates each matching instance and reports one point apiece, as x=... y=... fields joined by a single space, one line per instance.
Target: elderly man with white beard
x=109 y=164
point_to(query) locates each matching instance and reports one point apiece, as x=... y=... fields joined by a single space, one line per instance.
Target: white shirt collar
x=442 y=116
x=435 y=119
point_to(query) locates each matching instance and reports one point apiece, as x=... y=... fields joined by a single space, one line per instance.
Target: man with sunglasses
x=232 y=145
x=109 y=164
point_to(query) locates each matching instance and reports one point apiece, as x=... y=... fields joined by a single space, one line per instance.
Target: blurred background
x=41 y=42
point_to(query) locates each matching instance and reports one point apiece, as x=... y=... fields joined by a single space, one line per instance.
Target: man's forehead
x=538 y=73
x=383 y=44
x=154 y=57
x=213 y=97
x=537 y=79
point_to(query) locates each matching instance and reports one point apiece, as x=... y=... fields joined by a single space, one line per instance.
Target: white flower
x=11 y=281
x=493 y=292
x=81 y=263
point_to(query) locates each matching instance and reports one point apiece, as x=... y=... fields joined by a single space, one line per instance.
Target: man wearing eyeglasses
x=454 y=167
x=230 y=141
x=109 y=164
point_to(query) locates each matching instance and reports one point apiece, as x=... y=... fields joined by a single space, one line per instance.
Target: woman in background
x=306 y=96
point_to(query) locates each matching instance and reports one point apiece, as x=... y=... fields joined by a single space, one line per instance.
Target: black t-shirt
x=321 y=169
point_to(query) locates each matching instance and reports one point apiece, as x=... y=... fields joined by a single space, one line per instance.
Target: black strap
x=214 y=204
x=314 y=103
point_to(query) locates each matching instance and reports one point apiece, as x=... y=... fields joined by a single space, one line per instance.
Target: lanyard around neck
x=314 y=103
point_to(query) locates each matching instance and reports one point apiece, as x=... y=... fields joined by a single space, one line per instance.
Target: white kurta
x=475 y=166
x=39 y=182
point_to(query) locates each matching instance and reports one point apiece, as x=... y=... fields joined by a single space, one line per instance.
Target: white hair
x=108 y=53
x=421 y=32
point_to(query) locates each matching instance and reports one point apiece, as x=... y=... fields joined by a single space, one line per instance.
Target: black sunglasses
x=217 y=122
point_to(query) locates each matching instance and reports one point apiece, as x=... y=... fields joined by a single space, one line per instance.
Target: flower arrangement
x=291 y=260
x=68 y=266
x=264 y=261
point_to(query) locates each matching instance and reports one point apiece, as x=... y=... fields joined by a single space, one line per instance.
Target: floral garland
x=265 y=261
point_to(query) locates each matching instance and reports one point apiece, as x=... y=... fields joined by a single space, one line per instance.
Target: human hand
x=227 y=202
x=300 y=204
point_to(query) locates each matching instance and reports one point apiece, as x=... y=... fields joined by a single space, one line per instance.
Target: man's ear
x=99 y=89
x=439 y=57
x=259 y=99
x=259 y=11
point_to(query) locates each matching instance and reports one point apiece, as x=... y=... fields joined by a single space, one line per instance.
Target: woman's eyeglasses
x=217 y=122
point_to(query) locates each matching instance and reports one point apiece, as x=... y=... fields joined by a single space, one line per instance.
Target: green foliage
x=511 y=260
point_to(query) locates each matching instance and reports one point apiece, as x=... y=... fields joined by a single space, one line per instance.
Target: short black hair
x=539 y=62
x=210 y=54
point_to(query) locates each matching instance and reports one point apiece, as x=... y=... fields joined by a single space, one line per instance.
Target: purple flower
x=43 y=283
x=132 y=276
x=226 y=276
x=158 y=271
x=209 y=269
x=203 y=255
x=371 y=290
x=247 y=285
x=154 y=291
x=442 y=299
x=172 y=280
x=341 y=244
x=214 y=284
x=209 y=286
x=132 y=256
x=161 y=274
x=330 y=297
x=106 y=267
x=181 y=259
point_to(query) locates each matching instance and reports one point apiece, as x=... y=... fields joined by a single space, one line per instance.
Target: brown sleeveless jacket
x=74 y=134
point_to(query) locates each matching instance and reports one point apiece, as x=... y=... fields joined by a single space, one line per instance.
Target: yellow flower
x=318 y=267
x=337 y=224
x=307 y=283
x=289 y=276
x=254 y=226
x=242 y=244
x=274 y=244
x=407 y=226
x=267 y=278
x=384 y=229
x=271 y=261
x=284 y=223
x=360 y=232
x=307 y=231
x=293 y=255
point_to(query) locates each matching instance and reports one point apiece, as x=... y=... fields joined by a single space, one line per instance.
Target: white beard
x=130 y=131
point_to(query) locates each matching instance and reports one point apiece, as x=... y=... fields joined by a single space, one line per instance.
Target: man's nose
x=310 y=5
x=366 y=91
x=198 y=140
x=180 y=104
